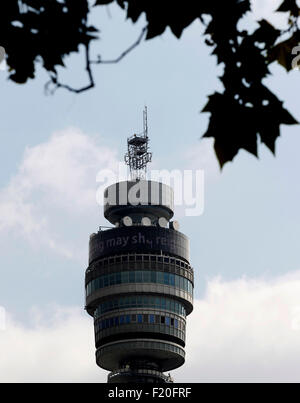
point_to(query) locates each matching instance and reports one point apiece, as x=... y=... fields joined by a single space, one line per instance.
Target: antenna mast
x=138 y=155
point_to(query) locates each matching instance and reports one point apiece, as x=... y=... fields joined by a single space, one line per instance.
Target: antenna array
x=138 y=155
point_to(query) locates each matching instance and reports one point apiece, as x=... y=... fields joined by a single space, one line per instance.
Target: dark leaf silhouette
x=46 y=32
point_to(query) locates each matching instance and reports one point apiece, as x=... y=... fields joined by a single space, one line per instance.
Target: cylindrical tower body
x=139 y=284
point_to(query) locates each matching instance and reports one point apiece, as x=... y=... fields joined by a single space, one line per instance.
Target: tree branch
x=54 y=77
x=125 y=53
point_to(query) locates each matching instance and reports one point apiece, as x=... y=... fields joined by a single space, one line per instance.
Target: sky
x=244 y=247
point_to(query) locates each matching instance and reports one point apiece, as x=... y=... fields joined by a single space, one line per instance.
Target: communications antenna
x=138 y=155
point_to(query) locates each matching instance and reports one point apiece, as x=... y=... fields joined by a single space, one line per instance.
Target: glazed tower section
x=139 y=284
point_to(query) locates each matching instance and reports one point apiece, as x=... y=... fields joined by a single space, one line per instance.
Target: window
x=172 y=279
x=147 y=277
x=176 y=323
x=166 y=278
x=127 y=319
x=140 y=301
x=131 y=277
x=145 y=318
x=140 y=318
x=118 y=278
x=167 y=321
x=132 y=302
x=122 y=319
x=151 y=318
x=160 y=277
x=157 y=302
x=172 y=321
x=112 y=279
x=162 y=320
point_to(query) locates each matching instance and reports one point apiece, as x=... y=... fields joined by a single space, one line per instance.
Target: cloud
x=55 y=177
x=245 y=330
x=58 y=348
x=55 y=187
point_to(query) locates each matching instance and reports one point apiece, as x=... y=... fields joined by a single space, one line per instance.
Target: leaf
x=235 y=126
x=266 y=33
x=289 y=6
x=283 y=52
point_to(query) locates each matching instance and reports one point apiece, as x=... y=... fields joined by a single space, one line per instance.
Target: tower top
x=138 y=155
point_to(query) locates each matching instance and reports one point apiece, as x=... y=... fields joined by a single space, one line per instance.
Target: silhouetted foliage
x=34 y=31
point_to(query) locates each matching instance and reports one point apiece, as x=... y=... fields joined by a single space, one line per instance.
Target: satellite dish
x=162 y=222
x=174 y=225
x=127 y=221
x=146 y=221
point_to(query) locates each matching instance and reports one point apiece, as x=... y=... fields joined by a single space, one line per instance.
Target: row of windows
x=141 y=344
x=139 y=276
x=138 y=318
x=140 y=301
x=142 y=258
x=115 y=331
x=96 y=272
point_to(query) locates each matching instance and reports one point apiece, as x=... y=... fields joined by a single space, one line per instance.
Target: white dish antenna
x=127 y=221
x=162 y=222
x=174 y=225
x=146 y=221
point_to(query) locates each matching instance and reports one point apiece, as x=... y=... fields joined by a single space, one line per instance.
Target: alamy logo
x=296 y=60
x=188 y=187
